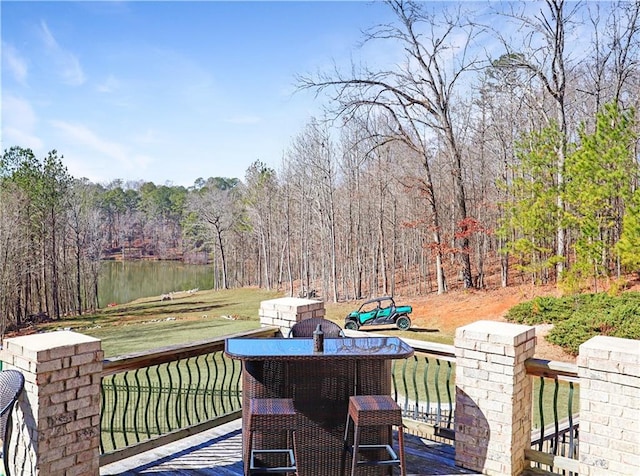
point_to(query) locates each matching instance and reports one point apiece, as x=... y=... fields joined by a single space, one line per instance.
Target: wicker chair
x=306 y=327
x=11 y=386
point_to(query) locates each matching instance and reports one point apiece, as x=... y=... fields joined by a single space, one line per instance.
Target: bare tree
x=321 y=166
x=624 y=38
x=81 y=238
x=611 y=73
x=417 y=97
x=354 y=196
x=261 y=201
x=215 y=207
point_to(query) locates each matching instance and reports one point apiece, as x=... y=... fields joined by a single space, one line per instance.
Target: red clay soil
x=458 y=308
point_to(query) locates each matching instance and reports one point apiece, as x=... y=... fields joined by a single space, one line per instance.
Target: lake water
x=122 y=282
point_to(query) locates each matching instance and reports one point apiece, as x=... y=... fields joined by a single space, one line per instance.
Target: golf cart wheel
x=351 y=325
x=403 y=323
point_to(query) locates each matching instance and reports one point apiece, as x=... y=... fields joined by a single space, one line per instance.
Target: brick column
x=285 y=312
x=609 y=371
x=493 y=396
x=58 y=417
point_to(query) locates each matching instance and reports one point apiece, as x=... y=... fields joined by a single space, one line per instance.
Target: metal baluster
x=148 y=404
x=125 y=410
x=555 y=416
x=450 y=412
x=426 y=388
x=438 y=396
x=169 y=393
x=415 y=386
x=158 y=402
x=215 y=384
x=113 y=413
x=224 y=380
x=189 y=392
x=207 y=387
x=137 y=406
x=541 y=410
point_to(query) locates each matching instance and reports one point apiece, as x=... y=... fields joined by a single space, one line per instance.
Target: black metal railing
x=424 y=387
x=554 y=442
x=153 y=398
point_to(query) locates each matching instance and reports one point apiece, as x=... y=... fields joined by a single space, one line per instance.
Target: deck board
x=218 y=452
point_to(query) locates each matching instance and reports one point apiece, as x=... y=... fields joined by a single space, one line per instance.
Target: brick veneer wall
x=609 y=371
x=58 y=415
x=285 y=312
x=493 y=396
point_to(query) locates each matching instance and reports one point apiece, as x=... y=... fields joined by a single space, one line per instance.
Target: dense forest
x=518 y=161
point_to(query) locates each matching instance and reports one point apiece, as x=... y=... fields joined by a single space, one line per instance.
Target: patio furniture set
x=319 y=412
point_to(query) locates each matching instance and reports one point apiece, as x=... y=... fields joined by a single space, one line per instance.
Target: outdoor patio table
x=320 y=384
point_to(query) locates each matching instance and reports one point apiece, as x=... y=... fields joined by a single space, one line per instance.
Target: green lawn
x=125 y=339
x=150 y=323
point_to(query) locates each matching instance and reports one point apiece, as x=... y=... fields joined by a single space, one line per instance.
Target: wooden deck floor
x=217 y=452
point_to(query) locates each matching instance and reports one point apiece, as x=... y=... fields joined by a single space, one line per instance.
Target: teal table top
x=271 y=348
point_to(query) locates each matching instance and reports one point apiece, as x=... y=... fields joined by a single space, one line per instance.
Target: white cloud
x=87 y=154
x=109 y=85
x=17 y=112
x=16 y=137
x=14 y=63
x=68 y=65
x=80 y=135
x=19 y=123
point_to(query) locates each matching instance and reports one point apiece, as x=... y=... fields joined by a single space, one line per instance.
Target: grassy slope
x=150 y=323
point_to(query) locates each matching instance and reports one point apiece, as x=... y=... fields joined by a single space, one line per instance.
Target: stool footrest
x=275 y=469
x=393 y=457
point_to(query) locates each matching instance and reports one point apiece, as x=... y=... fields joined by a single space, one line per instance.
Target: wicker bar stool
x=272 y=415
x=371 y=411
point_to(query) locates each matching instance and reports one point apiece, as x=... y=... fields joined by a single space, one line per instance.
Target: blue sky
x=169 y=91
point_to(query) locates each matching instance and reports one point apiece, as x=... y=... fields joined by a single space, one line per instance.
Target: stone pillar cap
x=49 y=340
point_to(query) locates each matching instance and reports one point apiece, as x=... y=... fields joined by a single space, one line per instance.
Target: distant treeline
x=527 y=171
